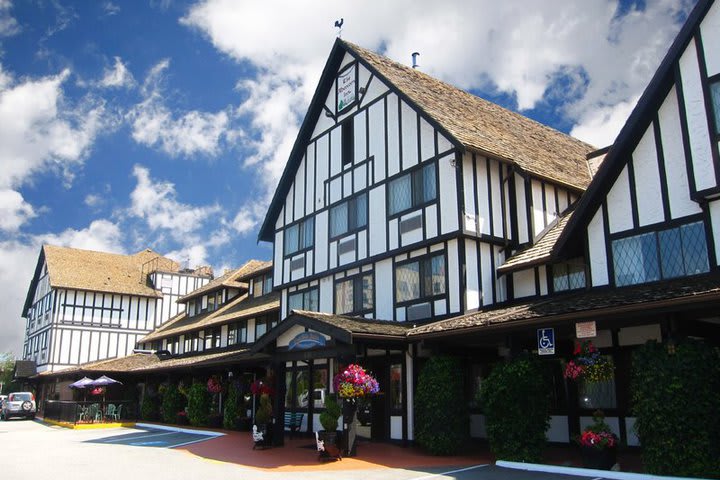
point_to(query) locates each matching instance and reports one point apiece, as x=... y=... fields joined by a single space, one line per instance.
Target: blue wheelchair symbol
x=546 y=341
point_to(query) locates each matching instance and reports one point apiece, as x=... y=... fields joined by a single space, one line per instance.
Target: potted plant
x=598 y=444
x=351 y=384
x=329 y=421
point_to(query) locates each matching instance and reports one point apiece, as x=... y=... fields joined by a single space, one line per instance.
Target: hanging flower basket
x=214 y=384
x=588 y=364
x=598 y=444
x=354 y=382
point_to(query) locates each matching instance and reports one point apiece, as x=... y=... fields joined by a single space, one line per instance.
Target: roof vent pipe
x=414 y=61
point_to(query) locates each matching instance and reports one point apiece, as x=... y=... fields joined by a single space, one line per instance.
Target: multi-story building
x=421 y=219
x=84 y=306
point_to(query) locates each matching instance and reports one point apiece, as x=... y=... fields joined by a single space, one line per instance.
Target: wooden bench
x=293 y=420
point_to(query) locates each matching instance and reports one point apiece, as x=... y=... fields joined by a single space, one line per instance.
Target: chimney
x=414 y=60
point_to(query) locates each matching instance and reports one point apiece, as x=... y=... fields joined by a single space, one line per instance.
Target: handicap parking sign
x=546 y=341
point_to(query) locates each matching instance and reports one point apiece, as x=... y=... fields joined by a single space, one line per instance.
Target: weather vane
x=338 y=25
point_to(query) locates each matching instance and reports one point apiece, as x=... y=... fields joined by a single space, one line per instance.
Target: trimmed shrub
x=441 y=415
x=516 y=402
x=198 y=404
x=172 y=403
x=230 y=409
x=675 y=398
x=150 y=408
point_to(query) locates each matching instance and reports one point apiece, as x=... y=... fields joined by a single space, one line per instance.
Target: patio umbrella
x=82 y=383
x=103 y=381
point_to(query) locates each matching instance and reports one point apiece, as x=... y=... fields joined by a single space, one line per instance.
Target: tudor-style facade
x=401 y=198
x=85 y=306
x=390 y=179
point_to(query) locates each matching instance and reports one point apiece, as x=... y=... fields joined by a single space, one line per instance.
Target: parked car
x=19 y=404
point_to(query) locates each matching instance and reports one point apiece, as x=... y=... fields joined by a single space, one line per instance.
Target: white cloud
x=8 y=25
x=185 y=134
x=93 y=200
x=14 y=210
x=192 y=256
x=156 y=203
x=118 y=76
x=100 y=235
x=601 y=126
x=110 y=9
x=42 y=131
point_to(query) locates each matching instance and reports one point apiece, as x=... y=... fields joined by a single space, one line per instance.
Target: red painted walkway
x=299 y=454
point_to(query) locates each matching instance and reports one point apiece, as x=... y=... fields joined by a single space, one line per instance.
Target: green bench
x=293 y=420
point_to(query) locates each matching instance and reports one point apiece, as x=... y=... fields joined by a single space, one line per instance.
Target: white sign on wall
x=346 y=88
x=585 y=330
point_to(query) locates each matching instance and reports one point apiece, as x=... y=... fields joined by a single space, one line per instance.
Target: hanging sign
x=346 y=88
x=585 y=330
x=546 y=341
x=306 y=340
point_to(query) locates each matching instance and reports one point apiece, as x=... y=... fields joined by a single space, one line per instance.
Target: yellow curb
x=89 y=426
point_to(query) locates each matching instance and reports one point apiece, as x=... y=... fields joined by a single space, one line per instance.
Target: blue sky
x=166 y=124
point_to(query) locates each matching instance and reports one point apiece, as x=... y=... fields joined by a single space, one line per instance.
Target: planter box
x=599 y=459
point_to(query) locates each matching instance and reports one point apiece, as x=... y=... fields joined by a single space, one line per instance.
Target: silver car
x=19 y=404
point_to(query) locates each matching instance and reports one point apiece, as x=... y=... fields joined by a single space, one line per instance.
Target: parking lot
x=35 y=450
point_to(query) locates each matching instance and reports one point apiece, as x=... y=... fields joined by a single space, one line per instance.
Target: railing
x=89 y=412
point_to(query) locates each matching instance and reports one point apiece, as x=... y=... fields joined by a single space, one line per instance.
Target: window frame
x=303 y=292
x=655 y=231
x=302 y=226
x=417 y=179
x=713 y=114
x=347 y=141
x=357 y=293
x=351 y=215
x=579 y=262
x=233 y=329
x=422 y=261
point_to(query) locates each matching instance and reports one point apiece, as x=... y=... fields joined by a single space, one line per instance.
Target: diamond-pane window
x=569 y=275
x=407 y=282
x=348 y=216
x=413 y=190
x=422 y=278
x=669 y=253
x=694 y=248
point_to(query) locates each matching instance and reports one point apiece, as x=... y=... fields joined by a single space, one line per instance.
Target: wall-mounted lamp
x=361 y=90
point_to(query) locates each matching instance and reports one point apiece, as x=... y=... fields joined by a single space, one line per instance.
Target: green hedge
x=676 y=398
x=442 y=420
x=198 y=404
x=172 y=403
x=516 y=402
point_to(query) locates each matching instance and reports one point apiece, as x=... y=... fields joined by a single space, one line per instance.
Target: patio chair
x=95 y=414
x=112 y=412
x=83 y=414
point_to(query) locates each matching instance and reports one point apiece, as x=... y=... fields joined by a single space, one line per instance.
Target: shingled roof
x=539 y=253
x=236 y=309
x=103 y=272
x=485 y=127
